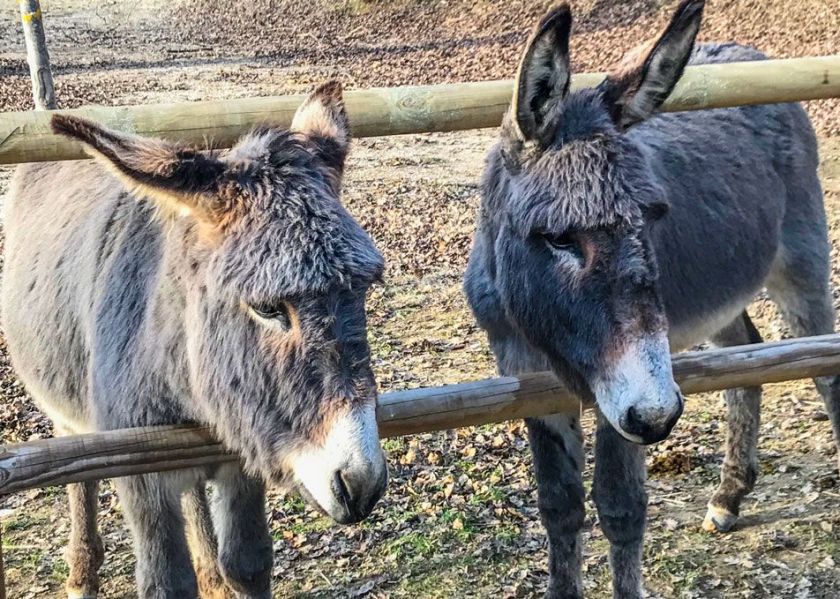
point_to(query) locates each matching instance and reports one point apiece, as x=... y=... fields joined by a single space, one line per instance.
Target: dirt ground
x=460 y=517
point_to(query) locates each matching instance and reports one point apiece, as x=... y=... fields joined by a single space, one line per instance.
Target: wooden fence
x=26 y=136
x=109 y=454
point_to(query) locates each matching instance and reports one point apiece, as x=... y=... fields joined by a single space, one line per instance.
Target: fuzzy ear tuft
x=647 y=75
x=323 y=114
x=323 y=118
x=543 y=77
x=179 y=177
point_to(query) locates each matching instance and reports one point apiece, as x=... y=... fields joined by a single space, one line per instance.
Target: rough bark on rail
x=26 y=136
x=137 y=451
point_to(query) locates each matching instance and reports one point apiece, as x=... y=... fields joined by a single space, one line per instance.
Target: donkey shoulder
x=719 y=52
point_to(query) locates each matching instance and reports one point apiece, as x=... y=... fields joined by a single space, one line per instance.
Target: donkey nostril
x=341 y=490
x=632 y=423
x=632 y=418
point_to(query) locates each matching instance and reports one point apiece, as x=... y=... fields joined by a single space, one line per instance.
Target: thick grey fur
x=746 y=212
x=122 y=313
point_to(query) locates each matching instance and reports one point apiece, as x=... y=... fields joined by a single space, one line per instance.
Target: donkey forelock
x=291 y=235
x=586 y=175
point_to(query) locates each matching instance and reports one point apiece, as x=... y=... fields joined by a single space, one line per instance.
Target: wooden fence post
x=37 y=56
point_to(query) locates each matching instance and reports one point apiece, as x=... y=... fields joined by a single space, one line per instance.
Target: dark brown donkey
x=609 y=235
x=162 y=285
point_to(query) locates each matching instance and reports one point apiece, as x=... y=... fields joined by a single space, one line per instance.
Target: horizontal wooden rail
x=26 y=136
x=155 y=449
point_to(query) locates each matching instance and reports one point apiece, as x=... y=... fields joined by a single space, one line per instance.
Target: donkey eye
x=564 y=242
x=277 y=314
x=655 y=211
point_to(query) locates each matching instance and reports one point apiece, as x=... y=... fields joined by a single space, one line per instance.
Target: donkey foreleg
x=84 y=553
x=829 y=389
x=204 y=548
x=153 y=510
x=619 y=493
x=740 y=465
x=246 y=553
x=556 y=445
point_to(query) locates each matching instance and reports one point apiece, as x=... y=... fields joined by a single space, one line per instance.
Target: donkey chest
x=687 y=334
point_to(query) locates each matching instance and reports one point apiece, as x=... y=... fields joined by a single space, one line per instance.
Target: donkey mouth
x=310 y=500
x=348 y=514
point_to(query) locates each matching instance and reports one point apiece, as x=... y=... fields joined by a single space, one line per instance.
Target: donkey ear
x=180 y=178
x=323 y=118
x=543 y=77
x=647 y=75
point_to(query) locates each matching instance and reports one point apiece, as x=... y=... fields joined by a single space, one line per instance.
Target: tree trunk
x=36 y=54
x=2 y=574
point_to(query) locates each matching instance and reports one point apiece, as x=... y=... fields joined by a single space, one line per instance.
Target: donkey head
x=263 y=282
x=571 y=200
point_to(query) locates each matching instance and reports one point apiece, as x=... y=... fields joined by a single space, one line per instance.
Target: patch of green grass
x=705 y=416
x=412 y=544
x=430 y=585
x=680 y=570
x=23 y=522
x=394 y=445
x=60 y=570
x=827 y=542
x=303 y=527
x=491 y=494
x=506 y=532
x=293 y=503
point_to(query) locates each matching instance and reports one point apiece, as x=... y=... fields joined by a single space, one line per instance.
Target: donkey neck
x=166 y=320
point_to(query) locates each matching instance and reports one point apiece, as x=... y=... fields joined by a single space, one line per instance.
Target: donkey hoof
x=719 y=519
x=74 y=592
x=263 y=595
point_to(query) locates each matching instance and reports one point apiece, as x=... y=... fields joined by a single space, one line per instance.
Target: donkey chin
x=637 y=393
x=344 y=475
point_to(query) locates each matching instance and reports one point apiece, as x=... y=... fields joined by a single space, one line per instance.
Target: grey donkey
x=158 y=285
x=608 y=235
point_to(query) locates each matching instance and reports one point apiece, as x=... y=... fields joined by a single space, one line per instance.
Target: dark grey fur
x=600 y=226
x=132 y=291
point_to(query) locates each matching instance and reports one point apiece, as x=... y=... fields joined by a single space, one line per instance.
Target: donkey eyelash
x=566 y=243
x=274 y=315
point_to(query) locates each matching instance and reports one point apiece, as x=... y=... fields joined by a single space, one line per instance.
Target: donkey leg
x=618 y=490
x=556 y=444
x=84 y=553
x=246 y=553
x=153 y=510
x=829 y=389
x=808 y=309
x=740 y=465
x=201 y=539
x=799 y=282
